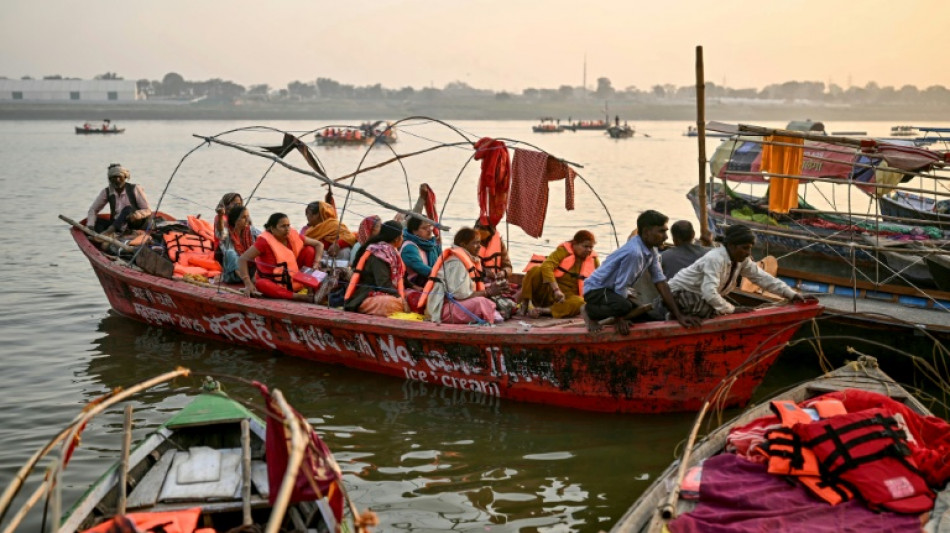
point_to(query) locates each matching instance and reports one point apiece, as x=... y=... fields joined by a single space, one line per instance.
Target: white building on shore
x=68 y=90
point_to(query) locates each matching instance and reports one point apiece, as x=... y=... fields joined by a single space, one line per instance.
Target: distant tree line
x=174 y=86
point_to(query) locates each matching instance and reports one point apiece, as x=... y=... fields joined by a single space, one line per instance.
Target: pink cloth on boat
x=738 y=496
x=483 y=308
x=528 y=201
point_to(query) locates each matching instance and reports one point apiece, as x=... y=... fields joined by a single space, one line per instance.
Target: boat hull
x=894 y=208
x=93 y=131
x=659 y=367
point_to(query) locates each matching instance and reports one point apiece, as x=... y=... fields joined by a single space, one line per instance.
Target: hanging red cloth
x=495 y=180
x=530 y=173
x=428 y=203
x=318 y=469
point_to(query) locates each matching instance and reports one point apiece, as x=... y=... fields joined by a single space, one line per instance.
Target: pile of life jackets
x=192 y=252
x=856 y=443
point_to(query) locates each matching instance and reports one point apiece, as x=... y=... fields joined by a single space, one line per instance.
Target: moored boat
x=715 y=488
x=213 y=463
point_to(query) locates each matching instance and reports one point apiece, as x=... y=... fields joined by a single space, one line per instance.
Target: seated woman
x=279 y=253
x=699 y=289
x=556 y=287
x=376 y=287
x=369 y=228
x=496 y=267
x=324 y=226
x=458 y=297
x=228 y=201
x=420 y=250
x=236 y=239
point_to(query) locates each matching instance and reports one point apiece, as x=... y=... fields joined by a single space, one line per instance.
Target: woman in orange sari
x=324 y=226
x=279 y=253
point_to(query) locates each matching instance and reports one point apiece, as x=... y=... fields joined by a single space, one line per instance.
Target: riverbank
x=456 y=109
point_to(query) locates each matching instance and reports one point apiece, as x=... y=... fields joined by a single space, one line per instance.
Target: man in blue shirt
x=608 y=291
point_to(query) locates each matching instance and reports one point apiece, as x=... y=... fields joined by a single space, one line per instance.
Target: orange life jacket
x=286 y=259
x=201 y=227
x=358 y=271
x=788 y=455
x=178 y=243
x=867 y=451
x=587 y=267
x=466 y=260
x=491 y=255
x=183 y=521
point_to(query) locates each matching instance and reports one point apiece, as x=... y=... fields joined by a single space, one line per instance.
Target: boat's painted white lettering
x=164 y=299
x=314 y=338
x=142 y=294
x=477 y=385
x=394 y=353
x=153 y=316
x=191 y=323
x=363 y=346
x=235 y=326
x=438 y=360
x=416 y=375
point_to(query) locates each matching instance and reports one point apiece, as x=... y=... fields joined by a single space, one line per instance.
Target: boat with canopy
x=658 y=367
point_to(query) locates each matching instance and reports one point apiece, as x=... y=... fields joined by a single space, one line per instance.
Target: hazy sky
x=490 y=44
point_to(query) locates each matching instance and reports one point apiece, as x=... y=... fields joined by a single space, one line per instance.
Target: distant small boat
x=105 y=128
x=904 y=131
x=342 y=136
x=547 y=125
x=621 y=132
x=588 y=125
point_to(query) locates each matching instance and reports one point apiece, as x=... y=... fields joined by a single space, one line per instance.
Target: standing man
x=127 y=204
x=608 y=292
x=684 y=252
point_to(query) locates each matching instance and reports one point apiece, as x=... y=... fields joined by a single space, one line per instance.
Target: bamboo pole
x=851 y=244
x=97 y=236
x=871 y=216
x=840 y=181
x=124 y=462
x=668 y=510
x=704 y=234
x=324 y=179
x=246 y=471
x=298 y=446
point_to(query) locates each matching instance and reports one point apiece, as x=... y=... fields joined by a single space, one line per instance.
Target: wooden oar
x=145 y=258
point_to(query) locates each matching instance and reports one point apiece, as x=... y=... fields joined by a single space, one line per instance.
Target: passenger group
x=399 y=268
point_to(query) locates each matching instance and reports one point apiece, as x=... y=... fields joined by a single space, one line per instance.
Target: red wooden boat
x=659 y=367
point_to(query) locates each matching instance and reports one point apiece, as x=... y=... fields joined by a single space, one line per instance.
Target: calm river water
x=424 y=458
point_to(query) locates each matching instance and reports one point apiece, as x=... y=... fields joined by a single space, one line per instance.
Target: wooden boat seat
x=166 y=484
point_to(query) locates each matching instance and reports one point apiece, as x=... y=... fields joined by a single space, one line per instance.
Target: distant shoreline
x=456 y=110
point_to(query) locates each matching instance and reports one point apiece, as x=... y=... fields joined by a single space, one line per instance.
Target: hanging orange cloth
x=778 y=159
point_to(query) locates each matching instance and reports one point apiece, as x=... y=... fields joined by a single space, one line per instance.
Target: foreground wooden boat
x=659 y=367
x=214 y=463
x=661 y=502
